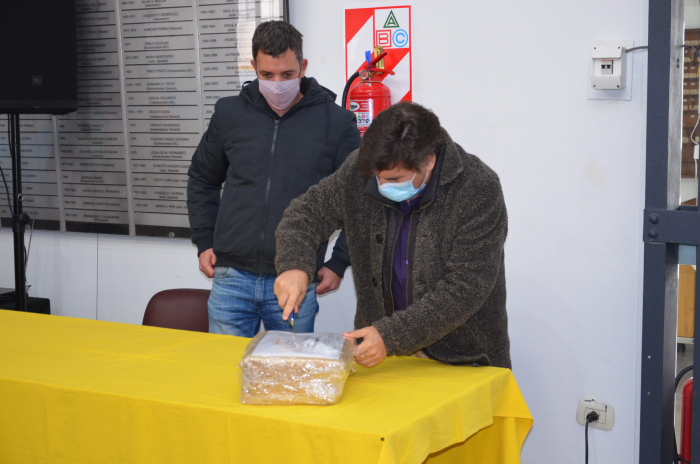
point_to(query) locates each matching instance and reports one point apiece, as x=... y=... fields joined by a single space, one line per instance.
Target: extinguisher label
x=363 y=113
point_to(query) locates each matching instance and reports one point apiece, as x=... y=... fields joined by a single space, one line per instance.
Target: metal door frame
x=665 y=228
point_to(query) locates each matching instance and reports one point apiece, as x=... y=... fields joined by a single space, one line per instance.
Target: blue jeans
x=239 y=301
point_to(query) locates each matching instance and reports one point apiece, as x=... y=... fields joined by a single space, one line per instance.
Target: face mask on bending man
x=401 y=184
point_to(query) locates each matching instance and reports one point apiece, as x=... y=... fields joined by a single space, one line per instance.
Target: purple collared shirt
x=399 y=277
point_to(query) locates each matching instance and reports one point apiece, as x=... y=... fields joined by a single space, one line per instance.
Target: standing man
x=426 y=225
x=282 y=134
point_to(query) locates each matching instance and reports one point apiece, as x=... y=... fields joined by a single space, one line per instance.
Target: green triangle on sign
x=391 y=20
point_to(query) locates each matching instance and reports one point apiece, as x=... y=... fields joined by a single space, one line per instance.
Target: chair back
x=180 y=308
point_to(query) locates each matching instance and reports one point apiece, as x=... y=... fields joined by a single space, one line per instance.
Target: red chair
x=180 y=308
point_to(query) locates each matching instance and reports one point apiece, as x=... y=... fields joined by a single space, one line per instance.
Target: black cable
x=347 y=87
x=14 y=125
x=7 y=190
x=29 y=246
x=586 y=442
x=590 y=417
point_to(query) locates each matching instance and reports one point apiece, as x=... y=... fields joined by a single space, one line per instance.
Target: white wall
x=508 y=80
x=62 y=267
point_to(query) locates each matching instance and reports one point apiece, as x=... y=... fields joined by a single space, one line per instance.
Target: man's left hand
x=372 y=350
x=329 y=281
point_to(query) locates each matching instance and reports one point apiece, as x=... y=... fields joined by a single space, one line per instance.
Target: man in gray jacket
x=426 y=224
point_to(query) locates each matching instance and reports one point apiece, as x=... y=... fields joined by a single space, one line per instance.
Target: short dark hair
x=276 y=37
x=405 y=135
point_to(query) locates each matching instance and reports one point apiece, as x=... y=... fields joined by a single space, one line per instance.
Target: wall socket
x=606 y=414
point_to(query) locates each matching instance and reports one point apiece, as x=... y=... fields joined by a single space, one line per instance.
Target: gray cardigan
x=457 y=301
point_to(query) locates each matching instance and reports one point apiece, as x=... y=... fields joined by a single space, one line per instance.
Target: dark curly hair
x=405 y=135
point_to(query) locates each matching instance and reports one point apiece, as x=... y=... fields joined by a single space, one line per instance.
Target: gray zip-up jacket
x=456 y=288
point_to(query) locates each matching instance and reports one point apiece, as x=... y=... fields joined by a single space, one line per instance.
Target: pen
x=291 y=320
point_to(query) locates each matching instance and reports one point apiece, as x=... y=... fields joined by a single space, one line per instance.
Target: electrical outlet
x=610 y=59
x=606 y=414
x=619 y=73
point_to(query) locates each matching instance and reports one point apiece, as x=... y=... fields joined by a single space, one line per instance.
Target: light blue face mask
x=400 y=191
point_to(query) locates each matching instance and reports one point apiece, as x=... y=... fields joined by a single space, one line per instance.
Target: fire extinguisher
x=686 y=419
x=369 y=96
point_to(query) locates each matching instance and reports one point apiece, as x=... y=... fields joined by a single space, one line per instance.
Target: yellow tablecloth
x=82 y=391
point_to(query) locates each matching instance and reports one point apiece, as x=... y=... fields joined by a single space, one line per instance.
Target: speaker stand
x=19 y=219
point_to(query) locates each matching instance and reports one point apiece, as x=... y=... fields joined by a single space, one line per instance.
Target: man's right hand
x=207 y=259
x=290 y=289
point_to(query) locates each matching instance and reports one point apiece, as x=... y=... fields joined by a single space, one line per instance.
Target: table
x=78 y=390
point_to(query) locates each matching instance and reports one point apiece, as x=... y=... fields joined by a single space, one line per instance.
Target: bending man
x=426 y=224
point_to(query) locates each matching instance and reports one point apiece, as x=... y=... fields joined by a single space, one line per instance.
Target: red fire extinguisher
x=686 y=419
x=369 y=96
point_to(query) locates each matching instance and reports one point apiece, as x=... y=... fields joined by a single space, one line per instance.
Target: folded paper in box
x=290 y=368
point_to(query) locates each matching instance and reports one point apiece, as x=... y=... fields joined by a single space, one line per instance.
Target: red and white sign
x=386 y=26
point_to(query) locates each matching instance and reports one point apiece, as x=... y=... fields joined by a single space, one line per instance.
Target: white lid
x=306 y=345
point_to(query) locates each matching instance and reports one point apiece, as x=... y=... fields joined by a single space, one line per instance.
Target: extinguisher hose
x=347 y=88
x=682 y=373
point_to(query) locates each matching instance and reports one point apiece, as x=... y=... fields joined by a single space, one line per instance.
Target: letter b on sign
x=383 y=38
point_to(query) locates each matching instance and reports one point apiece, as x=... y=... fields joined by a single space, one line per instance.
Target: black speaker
x=38 y=63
